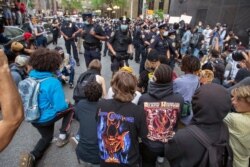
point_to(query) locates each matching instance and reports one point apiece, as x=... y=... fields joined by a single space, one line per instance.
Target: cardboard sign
x=173 y=20
x=187 y=19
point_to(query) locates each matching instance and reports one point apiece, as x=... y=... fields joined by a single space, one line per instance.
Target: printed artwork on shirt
x=113 y=137
x=161 y=120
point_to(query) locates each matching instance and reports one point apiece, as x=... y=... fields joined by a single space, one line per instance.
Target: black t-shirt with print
x=119 y=126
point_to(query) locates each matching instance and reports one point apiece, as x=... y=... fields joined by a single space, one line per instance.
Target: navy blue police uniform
x=69 y=28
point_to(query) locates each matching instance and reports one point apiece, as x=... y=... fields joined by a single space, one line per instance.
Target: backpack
x=86 y=77
x=194 y=39
x=29 y=90
x=218 y=154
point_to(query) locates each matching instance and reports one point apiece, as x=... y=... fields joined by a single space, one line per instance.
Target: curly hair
x=44 y=59
x=124 y=86
x=93 y=91
x=190 y=64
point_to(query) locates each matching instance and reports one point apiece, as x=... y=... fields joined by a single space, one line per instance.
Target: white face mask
x=165 y=34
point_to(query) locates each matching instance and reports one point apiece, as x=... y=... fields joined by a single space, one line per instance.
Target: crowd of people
x=142 y=118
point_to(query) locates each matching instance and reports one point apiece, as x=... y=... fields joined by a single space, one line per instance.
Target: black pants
x=46 y=130
x=148 y=156
x=71 y=43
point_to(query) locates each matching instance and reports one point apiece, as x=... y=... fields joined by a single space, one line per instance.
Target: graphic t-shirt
x=119 y=126
x=161 y=120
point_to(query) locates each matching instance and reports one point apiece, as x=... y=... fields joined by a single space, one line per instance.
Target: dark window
x=161 y=4
x=151 y=5
x=201 y=16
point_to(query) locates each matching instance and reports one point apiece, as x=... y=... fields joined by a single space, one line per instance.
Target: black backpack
x=218 y=154
x=86 y=77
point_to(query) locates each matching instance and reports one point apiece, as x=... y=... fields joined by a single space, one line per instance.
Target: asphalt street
x=27 y=136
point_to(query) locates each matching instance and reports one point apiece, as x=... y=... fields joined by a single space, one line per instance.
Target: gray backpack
x=29 y=90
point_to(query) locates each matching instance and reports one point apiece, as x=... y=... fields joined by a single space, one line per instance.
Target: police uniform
x=138 y=42
x=172 y=49
x=120 y=42
x=146 y=37
x=108 y=31
x=69 y=28
x=91 y=44
x=161 y=45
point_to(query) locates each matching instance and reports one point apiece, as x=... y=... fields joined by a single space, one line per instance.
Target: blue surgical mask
x=124 y=27
x=86 y=23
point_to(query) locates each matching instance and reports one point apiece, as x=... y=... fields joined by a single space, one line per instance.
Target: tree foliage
x=97 y=4
x=72 y=5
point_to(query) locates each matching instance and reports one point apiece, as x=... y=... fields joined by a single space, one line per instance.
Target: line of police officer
x=120 y=42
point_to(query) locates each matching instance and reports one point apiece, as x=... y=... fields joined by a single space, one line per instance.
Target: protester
x=239 y=126
x=87 y=150
x=118 y=130
x=67 y=68
x=206 y=77
x=11 y=104
x=151 y=63
x=163 y=109
x=51 y=102
x=211 y=104
x=187 y=84
x=137 y=93
x=19 y=69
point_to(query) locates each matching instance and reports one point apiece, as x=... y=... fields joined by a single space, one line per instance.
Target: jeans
x=41 y=41
x=68 y=44
x=196 y=52
x=70 y=73
x=46 y=130
x=184 y=50
x=91 y=54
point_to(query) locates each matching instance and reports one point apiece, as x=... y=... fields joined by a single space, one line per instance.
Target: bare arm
x=11 y=104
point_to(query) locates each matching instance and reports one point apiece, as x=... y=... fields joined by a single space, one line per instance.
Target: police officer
x=108 y=31
x=69 y=31
x=120 y=45
x=172 y=48
x=137 y=41
x=148 y=35
x=161 y=45
x=92 y=34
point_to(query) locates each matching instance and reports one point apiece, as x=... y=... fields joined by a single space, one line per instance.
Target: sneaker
x=71 y=85
x=26 y=160
x=77 y=63
x=61 y=142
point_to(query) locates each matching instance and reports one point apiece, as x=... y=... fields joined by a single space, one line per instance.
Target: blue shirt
x=51 y=99
x=186 y=86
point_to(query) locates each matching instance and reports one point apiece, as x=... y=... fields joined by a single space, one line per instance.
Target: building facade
x=135 y=7
x=235 y=13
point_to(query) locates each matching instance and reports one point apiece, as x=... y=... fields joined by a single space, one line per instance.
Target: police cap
x=162 y=26
x=171 y=32
x=87 y=15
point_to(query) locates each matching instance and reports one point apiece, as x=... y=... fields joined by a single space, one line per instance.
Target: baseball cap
x=22 y=60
